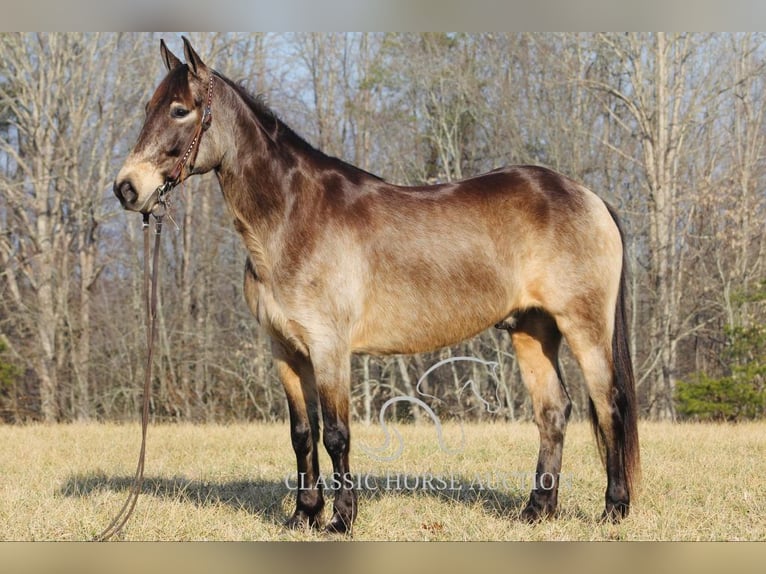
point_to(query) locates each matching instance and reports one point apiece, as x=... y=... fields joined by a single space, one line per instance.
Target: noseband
x=177 y=175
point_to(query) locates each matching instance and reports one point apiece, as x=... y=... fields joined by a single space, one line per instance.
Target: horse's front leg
x=297 y=377
x=333 y=374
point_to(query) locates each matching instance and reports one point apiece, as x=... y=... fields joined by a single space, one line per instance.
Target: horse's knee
x=336 y=438
x=302 y=438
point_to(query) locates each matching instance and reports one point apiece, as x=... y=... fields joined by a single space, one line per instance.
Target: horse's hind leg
x=608 y=408
x=536 y=339
x=297 y=378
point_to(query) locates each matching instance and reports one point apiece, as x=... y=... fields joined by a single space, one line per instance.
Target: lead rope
x=150 y=300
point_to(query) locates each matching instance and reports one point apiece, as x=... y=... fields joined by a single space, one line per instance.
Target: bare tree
x=662 y=95
x=63 y=98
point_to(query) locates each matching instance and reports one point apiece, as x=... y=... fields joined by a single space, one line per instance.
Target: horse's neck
x=254 y=186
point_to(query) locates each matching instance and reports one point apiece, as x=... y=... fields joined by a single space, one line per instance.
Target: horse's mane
x=276 y=129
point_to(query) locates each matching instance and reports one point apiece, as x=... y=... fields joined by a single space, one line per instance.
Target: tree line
x=669 y=128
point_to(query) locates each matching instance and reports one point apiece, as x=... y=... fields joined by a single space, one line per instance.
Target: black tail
x=626 y=405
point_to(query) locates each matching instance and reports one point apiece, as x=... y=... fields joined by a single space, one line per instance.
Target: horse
x=340 y=261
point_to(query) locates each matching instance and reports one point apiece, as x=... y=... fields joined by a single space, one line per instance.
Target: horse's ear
x=195 y=63
x=171 y=62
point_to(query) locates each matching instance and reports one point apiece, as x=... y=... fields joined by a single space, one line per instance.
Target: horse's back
x=444 y=262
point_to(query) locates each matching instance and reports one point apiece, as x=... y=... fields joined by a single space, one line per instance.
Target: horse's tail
x=625 y=418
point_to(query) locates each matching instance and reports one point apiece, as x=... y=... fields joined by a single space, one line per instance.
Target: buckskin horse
x=340 y=261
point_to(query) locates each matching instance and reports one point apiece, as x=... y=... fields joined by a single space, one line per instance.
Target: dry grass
x=700 y=482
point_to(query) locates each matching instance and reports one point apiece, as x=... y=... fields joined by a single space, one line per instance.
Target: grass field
x=65 y=482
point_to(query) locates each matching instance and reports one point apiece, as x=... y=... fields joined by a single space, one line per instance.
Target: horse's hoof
x=615 y=512
x=300 y=521
x=534 y=514
x=338 y=525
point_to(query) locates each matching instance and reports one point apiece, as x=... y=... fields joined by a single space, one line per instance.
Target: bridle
x=151 y=281
x=177 y=174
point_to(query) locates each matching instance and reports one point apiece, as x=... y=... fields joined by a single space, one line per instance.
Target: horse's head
x=168 y=148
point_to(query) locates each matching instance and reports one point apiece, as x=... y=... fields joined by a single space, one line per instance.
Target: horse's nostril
x=125 y=192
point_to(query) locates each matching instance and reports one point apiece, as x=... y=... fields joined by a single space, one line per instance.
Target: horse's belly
x=407 y=342
x=415 y=321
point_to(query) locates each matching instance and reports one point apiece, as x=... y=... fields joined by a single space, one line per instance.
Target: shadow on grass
x=265 y=497
x=258 y=497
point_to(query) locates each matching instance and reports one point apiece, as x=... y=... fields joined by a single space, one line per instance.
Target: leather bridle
x=177 y=175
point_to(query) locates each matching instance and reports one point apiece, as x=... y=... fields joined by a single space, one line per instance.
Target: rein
x=151 y=281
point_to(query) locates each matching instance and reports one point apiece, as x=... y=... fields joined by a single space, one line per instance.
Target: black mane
x=276 y=129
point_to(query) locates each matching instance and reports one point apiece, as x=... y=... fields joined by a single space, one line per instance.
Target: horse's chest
x=276 y=319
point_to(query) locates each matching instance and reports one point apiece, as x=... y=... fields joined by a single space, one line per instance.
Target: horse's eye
x=179 y=112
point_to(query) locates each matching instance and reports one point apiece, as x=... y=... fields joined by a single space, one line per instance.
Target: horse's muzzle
x=130 y=198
